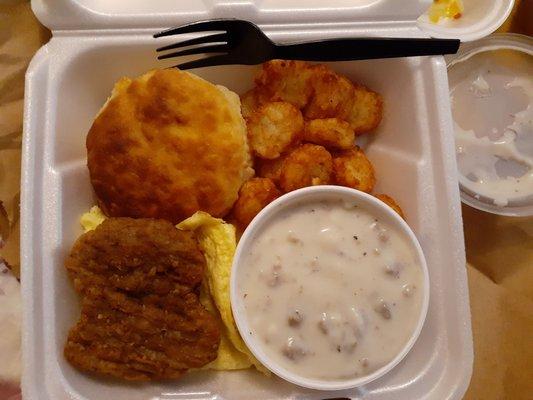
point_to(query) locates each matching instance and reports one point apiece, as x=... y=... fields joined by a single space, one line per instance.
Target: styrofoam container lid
x=491 y=88
x=135 y=14
x=481 y=17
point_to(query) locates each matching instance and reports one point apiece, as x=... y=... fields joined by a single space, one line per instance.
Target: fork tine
x=199 y=26
x=205 y=62
x=219 y=48
x=219 y=37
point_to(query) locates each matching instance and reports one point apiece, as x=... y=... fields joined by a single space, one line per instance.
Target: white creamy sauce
x=331 y=292
x=492 y=96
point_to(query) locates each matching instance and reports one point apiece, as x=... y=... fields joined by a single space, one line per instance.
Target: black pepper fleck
x=245 y=294
x=364 y=253
x=355 y=237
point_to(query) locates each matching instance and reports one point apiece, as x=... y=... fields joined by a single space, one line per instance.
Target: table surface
x=499 y=249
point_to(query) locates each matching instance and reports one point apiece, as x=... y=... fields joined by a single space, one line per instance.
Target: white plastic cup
x=314 y=193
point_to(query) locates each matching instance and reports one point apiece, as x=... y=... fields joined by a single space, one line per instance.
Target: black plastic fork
x=242 y=42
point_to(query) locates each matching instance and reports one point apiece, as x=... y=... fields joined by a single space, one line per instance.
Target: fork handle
x=365 y=49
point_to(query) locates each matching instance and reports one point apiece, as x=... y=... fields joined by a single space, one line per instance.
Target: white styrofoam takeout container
x=96 y=42
x=312 y=194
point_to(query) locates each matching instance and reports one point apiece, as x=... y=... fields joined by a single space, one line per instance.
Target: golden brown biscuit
x=166 y=145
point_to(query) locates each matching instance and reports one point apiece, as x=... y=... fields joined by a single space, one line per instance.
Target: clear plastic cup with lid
x=491 y=89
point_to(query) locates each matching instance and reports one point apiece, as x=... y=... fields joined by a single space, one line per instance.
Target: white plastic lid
x=491 y=87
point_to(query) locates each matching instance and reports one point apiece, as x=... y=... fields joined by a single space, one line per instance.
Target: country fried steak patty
x=140 y=315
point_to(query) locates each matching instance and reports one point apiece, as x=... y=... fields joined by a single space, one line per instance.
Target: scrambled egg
x=445 y=9
x=217 y=242
x=90 y=220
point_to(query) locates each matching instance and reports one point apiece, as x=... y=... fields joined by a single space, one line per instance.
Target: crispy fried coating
x=140 y=314
x=367 y=110
x=281 y=80
x=385 y=198
x=307 y=165
x=270 y=169
x=166 y=145
x=332 y=97
x=250 y=101
x=273 y=128
x=254 y=195
x=332 y=133
x=351 y=168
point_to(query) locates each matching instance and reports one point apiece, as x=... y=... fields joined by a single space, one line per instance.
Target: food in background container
x=466 y=20
x=443 y=9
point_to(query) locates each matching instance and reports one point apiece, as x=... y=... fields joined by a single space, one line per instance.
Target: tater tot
x=385 y=198
x=367 y=110
x=332 y=133
x=270 y=169
x=254 y=195
x=333 y=95
x=280 y=80
x=250 y=102
x=307 y=165
x=273 y=128
x=351 y=168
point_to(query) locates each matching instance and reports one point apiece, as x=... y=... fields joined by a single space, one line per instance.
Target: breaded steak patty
x=166 y=145
x=140 y=315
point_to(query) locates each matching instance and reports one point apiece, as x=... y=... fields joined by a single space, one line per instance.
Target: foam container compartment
x=96 y=42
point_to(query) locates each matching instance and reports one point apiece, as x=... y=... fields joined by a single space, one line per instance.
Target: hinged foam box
x=96 y=42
